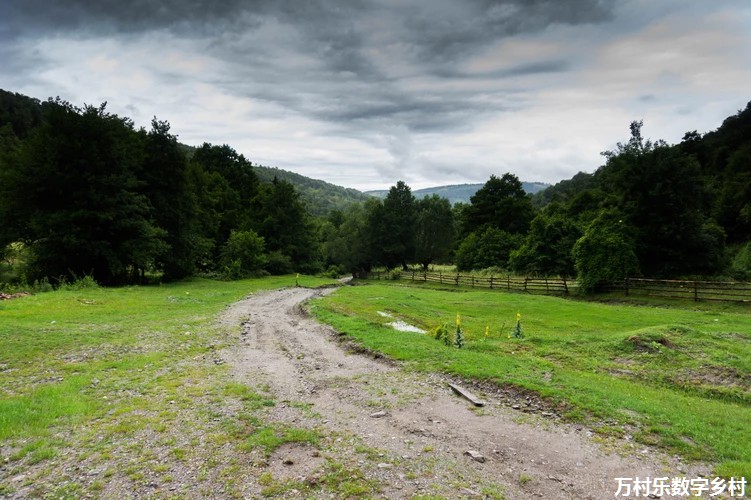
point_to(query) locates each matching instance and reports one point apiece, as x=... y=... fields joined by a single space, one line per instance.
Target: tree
x=501 y=204
x=286 y=228
x=490 y=248
x=547 y=247
x=243 y=255
x=662 y=195
x=76 y=194
x=227 y=189
x=348 y=244
x=164 y=177
x=393 y=226
x=434 y=230
x=605 y=253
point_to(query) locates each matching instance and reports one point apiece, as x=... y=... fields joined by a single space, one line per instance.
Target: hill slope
x=457 y=193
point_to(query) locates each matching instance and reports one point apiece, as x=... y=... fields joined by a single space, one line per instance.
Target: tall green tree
x=662 y=195
x=489 y=248
x=501 y=204
x=547 y=247
x=289 y=233
x=393 y=226
x=605 y=253
x=349 y=243
x=76 y=193
x=227 y=188
x=434 y=230
x=163 y=175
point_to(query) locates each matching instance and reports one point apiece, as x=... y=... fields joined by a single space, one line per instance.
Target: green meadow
x=105 y=378
x=677 y=377
x=127 y=383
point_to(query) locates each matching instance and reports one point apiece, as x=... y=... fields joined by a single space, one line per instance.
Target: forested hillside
x=83 y=192
x=460 y=193
x=320 y=197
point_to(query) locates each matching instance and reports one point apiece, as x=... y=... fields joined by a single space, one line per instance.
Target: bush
x=605 y=253
x=741 y=266
x=242 y=255
x=278 y=263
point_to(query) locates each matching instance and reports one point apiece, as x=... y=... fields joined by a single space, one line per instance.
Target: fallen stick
x=467 y=395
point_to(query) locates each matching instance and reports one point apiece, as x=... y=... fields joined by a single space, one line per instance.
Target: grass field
x=678 y=378
x=91 y=378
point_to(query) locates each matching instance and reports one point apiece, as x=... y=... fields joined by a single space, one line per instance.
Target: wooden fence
x=543 y=286
x=725 y=291
x=670 y=289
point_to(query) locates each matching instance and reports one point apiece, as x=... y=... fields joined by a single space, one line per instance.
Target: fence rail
x=544 y=286
x=725 y=291
x=670 y=289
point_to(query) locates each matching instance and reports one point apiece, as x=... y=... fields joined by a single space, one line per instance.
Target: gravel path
x=407 y=431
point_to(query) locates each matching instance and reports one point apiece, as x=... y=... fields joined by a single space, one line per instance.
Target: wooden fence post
x=491 y=282
x=696 y=291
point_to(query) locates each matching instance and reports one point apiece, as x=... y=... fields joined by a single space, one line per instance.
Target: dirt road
x=407 y=432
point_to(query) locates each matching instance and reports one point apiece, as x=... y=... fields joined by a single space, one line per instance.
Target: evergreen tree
x=76 y=194
x=393 y=226
x=434 y=230
x=500 y=204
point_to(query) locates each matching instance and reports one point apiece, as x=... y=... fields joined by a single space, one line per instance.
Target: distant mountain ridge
x=458 y=193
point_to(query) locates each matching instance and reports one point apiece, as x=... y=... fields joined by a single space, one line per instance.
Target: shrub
x=242 y=255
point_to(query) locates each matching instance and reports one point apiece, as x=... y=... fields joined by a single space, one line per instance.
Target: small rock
x=516 y=407
x=384 y=466
x=378 y=414
x=288 y=461
x=471 y=493
x=475 y=455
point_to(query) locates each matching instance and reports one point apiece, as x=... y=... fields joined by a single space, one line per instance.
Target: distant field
x=676 y=377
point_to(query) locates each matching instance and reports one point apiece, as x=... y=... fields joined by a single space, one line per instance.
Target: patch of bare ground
x=402 y=433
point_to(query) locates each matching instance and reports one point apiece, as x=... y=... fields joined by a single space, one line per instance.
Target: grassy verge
x=123 y=388
x=678 y=378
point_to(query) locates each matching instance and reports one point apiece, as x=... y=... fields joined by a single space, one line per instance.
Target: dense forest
x=85 y=193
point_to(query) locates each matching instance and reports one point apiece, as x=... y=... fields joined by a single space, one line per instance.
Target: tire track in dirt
x=421 y=439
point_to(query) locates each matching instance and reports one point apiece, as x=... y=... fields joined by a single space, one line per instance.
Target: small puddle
x=400 y=325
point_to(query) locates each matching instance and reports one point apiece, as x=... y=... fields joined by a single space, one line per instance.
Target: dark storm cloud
x=402 y=86
x=445 y=34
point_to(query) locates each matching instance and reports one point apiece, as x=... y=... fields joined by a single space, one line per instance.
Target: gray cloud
x=419 y=89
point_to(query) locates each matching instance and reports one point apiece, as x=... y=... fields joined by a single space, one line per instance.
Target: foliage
x=605 y=252
x=741 y=267
x=442 y=334
x=458 y=334
x=434 y=230
x=501 y=204
x=661 y=194
x=74 y=195
x=546 y=250
x=321 y=198
x=517 y=332
x=392 y=225
x=489 y=248
x=281 y=219
x=243 y=255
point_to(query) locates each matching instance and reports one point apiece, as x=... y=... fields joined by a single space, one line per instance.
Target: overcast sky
x=362 y=93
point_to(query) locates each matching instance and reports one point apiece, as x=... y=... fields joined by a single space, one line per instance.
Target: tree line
x=87 y=194
x=83 y=192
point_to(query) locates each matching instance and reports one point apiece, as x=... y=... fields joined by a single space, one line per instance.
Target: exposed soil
x=408 y=432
